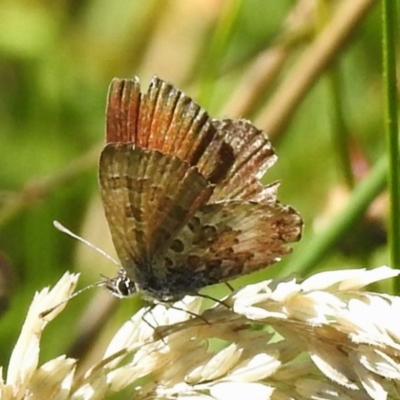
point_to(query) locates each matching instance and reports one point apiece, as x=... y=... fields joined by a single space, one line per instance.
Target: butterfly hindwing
x=225 y=240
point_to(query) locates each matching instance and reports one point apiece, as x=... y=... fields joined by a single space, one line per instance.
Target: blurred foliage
x=234 y=57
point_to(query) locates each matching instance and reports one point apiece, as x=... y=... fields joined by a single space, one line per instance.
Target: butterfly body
x=182 y=196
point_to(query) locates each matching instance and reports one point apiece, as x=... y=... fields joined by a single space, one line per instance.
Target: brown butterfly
x=182 y=196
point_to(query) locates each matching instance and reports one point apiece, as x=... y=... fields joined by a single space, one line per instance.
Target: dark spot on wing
x=225 y=161
x=114 y=182
x=168 y=263
x=177 y=246
x=194 y=224
x=206 y=235
x=134 y=212
x=193 y=262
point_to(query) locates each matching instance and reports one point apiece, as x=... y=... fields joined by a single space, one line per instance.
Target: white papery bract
x=321 y=338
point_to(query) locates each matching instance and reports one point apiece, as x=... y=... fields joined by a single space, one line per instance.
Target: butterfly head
x=121 y=286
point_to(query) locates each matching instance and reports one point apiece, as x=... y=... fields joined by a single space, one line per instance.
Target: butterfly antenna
x=50 y=310
x=63 y=229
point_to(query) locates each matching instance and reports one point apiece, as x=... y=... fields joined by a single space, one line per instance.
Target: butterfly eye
x=121 y=286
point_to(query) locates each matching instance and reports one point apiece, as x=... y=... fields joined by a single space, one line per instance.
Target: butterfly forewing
x=122 y=113
x=160 y=113
x=148 y=197
x=166 y=120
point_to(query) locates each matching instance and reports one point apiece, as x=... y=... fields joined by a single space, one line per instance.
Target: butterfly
x=182 y=196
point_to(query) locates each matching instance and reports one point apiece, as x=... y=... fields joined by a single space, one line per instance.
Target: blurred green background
x=236 y=58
